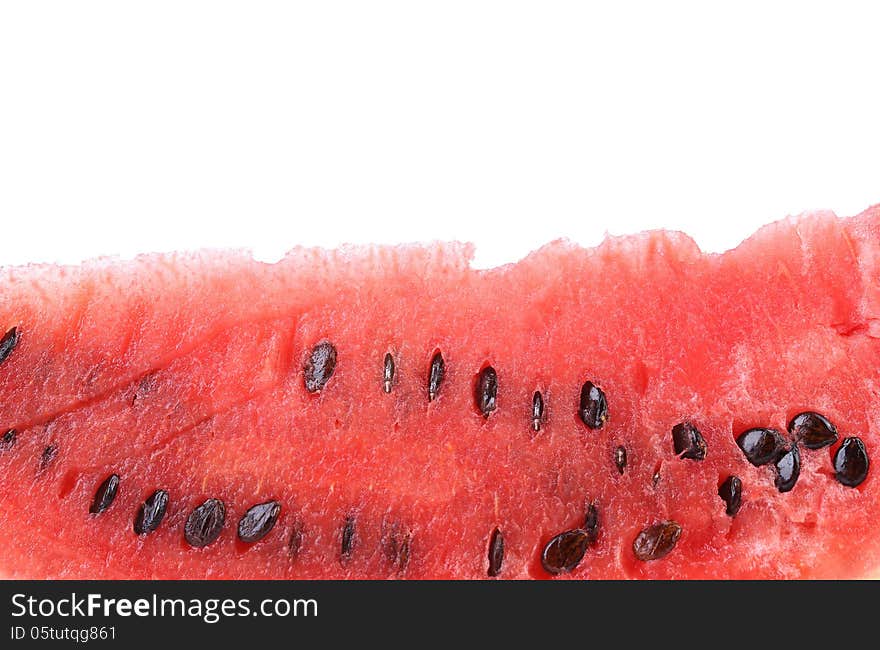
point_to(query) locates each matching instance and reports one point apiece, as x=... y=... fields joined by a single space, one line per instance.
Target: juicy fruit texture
x=350 y=389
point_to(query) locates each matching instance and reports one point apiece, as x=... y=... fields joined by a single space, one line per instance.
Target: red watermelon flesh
x=186 y=373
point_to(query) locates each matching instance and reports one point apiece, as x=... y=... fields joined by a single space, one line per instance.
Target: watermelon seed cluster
x=563 y=552
x=688 y=442
x=762 y=446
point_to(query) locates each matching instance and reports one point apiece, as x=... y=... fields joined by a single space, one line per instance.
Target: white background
x=128 y=127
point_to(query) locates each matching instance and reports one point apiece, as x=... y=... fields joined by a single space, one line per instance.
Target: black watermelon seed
x=320 y=366
x=388 y=372
x=404 y=552
x=851 y=462
x=151 y=513
x=620 y=458
x=731 y=493
x=496 y=553
x=348 y=538
x=296 y=540
x=8 y=343
x=537 y=410
x=486 y=391
x=205 y=523
x=655 y=478
x=7 y=440
x=435 y=375
x=593 y=406
x=813 y=430
x=591 y=523
x=656 y=541
x=105 y=494
x=256 y=523
x=565 y=551
x=48 y=455
x=688 y=442
x=788 y=469
x=761 y=446
x=397 y=549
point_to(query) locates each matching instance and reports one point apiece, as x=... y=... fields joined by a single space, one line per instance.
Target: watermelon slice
x=637 y=410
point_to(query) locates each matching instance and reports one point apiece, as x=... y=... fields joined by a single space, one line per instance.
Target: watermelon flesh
x=185 y=373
